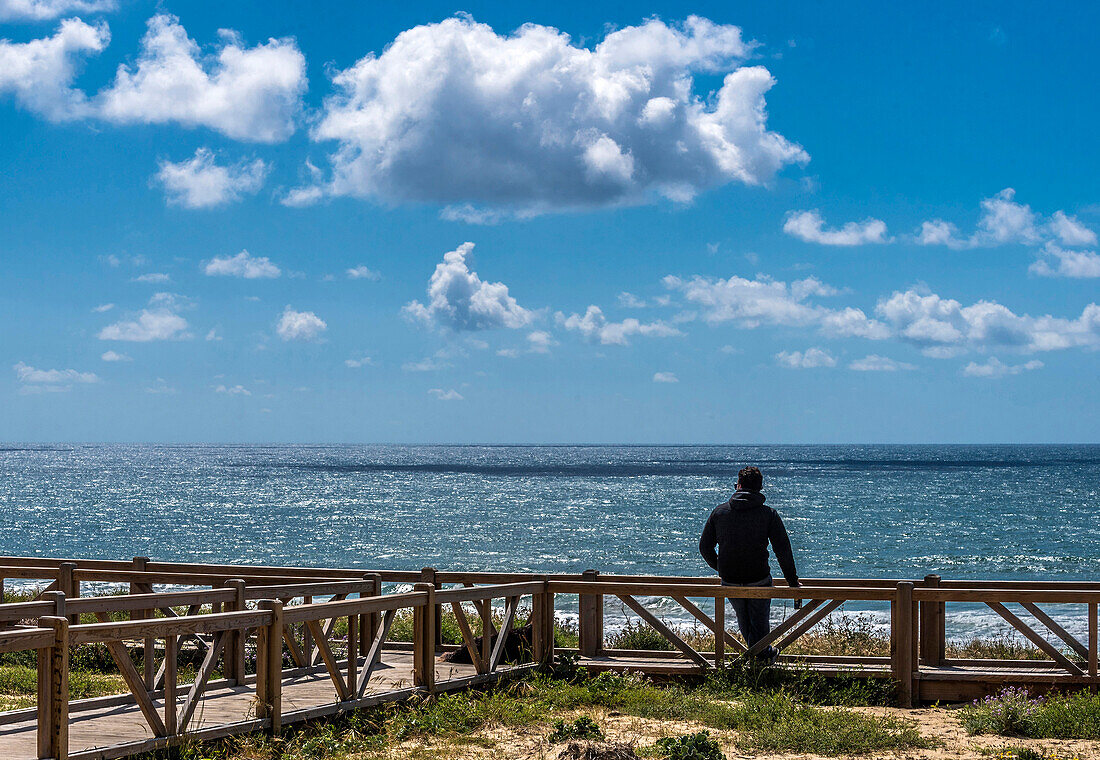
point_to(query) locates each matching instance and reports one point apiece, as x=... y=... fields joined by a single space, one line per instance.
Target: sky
x=568 y=223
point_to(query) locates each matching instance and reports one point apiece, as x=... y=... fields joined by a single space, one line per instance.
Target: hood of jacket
x=746 y=500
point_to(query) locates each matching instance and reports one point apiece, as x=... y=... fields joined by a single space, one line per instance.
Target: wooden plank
x=703 y=618
x=663 y=629
x=320 y=641
x=296 y=653
x=814 y=619
x=720 y=634
x=467 y=635
x=295 y=590
x=1035 y=638
x=53 y=692
x=773 y=635
x=20 y=639
x=199 y=685
x=1056 y=629
x=901 y=643
x=501 y=645
x=171 y=662
x=134 y=681
x=159 y=628
x=490 y=592
x=374 y=654
x=1093 y=636
x=740 y=592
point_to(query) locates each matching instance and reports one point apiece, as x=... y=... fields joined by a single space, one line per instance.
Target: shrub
x=582 y=728
x=1006 y=713
x=637 y=635
x=690 y=747
x=1013 y=713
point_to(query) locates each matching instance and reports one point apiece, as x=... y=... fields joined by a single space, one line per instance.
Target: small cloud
x=729 y=350
x=810 y=227
x=470 y=214
x=509 y=353
x=114 y=356
x=876 y=363
x=234 y=390
x=37 y=380
x=811 y=358
x=152 y=277
x=540 y=342
x=110 y=260
x=446 y=395
x=213 y=335
x=300 y=325
x=631 y=301
x=427 y=364
x=103 y=307
x=995 y=368
x=363 y=361
x=161 y=321
x=361 y=272
x=160 y=386
x=665 y=377
x=243 y=265
x=200 y=182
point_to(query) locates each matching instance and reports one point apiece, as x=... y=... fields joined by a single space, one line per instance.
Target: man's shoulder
x=721 y=509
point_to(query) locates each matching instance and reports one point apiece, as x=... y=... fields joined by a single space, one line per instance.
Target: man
x=742 y=529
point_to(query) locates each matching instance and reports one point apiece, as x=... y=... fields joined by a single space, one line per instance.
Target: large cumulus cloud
x=453 y=113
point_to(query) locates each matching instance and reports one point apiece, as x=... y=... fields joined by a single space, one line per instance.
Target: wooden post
x=933 y=624
x=719 y=631
x=171 y=656
x=542 y=625
x=1093 y=645
x=901 y=642
x=53 y=692
x=591 y=619
x=424 y=639
x=427 y=575
x=148 y=649
x=269 y=666
x=486 y=611
x=234 y=650
x=368 y=623
x=68 y=586
x=353 y=653
x=307 y=637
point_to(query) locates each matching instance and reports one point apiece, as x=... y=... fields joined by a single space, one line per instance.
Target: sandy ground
x=529 y=742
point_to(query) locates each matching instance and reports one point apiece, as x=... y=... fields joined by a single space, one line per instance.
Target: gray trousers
x=753 y=615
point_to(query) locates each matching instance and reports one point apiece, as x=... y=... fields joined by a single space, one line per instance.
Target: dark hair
x=750 y=478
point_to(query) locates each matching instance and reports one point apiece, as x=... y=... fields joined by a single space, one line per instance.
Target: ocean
x=991 y=512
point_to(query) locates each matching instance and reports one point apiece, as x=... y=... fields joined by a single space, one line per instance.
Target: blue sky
x=715 y=222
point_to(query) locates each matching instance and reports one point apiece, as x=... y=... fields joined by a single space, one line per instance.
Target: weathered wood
x=467 y=636
x=726 y=592
x=320 y=640
x=269 y=665
x=1035 y=638
x=140 y=629
x=720 y=634
x=590 y=619
x=235 y=641
x=1055 y=628
x=932 y=624
x=295 y=590
x=424 y=638
x=488 y=633
x=21 y=639
x=296 y=654
x=490 y=592
x=705 y=619
x=374 y=653
x=69 y=586
x=1094 y=635
x=901 y=643
x=134 y=681
x=813 y=620
x=427 y=575
x=663 y=629
x=201 y=678
x=171 y=678
x=53 y=692
x=775 y=633
x=500 y=646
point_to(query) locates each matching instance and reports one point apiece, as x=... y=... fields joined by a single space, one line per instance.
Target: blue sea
x=993 y=512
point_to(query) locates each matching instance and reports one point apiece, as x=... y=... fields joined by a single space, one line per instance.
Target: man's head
x=750 y=479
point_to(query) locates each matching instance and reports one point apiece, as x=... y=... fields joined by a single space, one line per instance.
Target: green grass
x=1013 y=712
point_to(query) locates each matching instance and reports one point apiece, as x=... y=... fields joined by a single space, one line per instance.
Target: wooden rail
x=284 y=620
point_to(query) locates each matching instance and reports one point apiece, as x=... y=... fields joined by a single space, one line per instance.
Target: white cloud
x=362 y=361
x=665 y=377
x=46 y=10
x=152 y=277
x=1070 y=231
x=103 y=307
x=160 y=321
x=876 y=363
x=199 y=182
x=1003 y=221
x=631 y=301
x=212 y=335
x=361 y=272
x=114 y=356
x=446 y=395
x=300 y=325
x=810 y=227
x=809 y=359
x=996 y=368
x=455 y=114
x=233 y=390
x=593 y=325
x=243 y=265
x=58 y=379
x=159 y=387
x=540 y=342
x=40 y=73
x=251 y=94
x=1055 y=261
x=459 y=300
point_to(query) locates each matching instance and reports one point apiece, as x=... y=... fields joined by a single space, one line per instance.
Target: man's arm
x=781 y=545
x=707 y=542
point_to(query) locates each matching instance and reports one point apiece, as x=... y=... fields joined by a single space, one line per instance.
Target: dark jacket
x=742 y=529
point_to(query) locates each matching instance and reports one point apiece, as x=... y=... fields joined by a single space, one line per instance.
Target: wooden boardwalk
x=114 y=731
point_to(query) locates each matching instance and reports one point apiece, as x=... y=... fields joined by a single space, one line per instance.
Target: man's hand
x=797 y=602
